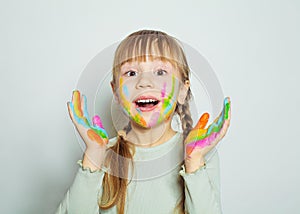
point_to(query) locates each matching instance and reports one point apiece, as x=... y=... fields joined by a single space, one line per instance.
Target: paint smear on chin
x=154 y=119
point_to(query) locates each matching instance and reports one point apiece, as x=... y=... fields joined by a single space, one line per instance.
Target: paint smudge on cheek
x=163 y=91
x=125 y=89
x=124 y=94
x=127 y=105
x=168 y=102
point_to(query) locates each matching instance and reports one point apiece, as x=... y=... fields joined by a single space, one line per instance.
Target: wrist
x=193 y=164
x=93 y=158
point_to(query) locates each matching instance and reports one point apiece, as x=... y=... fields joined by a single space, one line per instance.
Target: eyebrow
x=128 y=65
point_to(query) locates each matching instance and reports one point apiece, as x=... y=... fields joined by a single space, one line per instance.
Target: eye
x=130 y=73
x=161 y=72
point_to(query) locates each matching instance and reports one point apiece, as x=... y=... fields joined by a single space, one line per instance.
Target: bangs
x=147 y=47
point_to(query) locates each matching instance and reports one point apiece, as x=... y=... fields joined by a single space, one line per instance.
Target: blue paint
x=78 y=120
x=86 y=123
x=125 y=89
x=85 y=112
x=168 y=108
x=211 y=128
x=221 y=119
x=102 y=132
x=139 y=110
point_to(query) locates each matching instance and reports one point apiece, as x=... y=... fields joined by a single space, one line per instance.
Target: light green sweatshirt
x=155 y=187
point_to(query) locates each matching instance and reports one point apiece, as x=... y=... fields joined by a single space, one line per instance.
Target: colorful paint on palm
x=95 y=130
x=201 y=137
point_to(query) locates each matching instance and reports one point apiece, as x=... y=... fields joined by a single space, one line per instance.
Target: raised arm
x=83 y=195
x=201 y=169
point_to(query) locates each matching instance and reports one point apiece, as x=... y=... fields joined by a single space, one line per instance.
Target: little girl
x=148 y=167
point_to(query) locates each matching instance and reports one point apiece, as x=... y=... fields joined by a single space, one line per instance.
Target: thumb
x=202 y=121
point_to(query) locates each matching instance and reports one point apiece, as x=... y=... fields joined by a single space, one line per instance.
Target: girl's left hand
x=200 y=140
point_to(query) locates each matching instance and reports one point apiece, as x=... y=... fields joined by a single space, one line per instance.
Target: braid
x=187 y=125
x=115 y=185
x=127 y=128
x=185 y=115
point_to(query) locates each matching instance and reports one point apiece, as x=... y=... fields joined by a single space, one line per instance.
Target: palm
x=93 y=133
x=200 y=139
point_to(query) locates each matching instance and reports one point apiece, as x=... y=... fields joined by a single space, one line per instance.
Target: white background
x=253 y=47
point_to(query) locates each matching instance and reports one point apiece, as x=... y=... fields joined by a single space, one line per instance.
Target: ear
x=183 y=92
x=113 y=88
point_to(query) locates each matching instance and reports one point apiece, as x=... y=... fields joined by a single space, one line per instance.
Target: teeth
x=146 y=101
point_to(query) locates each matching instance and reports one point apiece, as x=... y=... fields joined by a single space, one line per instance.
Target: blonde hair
x=142 y=45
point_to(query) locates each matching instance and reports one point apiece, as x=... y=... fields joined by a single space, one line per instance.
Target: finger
x=222 y=133
x=229 y=116
x=77 y=103
x=224 y=114
x=224 y=128
x=198 y=132
x=202 y=121
x=227 y=106
x=219 y=122
x=215 y=127
x=85 y=111
x=227 y=111
x=76 y=118
x=195 y=135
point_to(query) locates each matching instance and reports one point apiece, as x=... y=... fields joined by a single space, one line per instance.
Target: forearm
x=83 y=195
x=202 y=188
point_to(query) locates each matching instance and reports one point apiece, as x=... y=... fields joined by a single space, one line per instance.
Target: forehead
x=148 y=63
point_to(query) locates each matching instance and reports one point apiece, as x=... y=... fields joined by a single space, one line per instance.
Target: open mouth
x=146 y=103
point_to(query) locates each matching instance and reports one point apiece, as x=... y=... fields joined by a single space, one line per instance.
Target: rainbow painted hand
x=199 y=137
x=90 y=132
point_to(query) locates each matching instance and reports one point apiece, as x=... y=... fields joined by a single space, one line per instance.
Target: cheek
x=125 y=89
x=170 y=88
x=125 y=93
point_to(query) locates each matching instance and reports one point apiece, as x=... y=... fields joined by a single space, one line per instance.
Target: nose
x=145 y=80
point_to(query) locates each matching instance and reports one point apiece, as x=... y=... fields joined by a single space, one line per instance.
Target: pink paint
x=202 y=143
x=163 y=91
x=97 y=121
x=154 y=119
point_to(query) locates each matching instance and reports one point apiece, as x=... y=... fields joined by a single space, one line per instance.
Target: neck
x=150 y=137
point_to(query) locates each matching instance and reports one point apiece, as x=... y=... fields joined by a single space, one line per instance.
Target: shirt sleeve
x=202 y=188
x=82 y=197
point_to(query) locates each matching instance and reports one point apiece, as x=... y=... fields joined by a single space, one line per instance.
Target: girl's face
x=148 y=91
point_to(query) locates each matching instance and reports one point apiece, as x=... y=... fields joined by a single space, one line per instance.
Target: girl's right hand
x=93 y=134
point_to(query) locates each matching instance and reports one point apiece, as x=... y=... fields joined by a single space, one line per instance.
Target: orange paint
x=202 y=121
x=94 y=136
